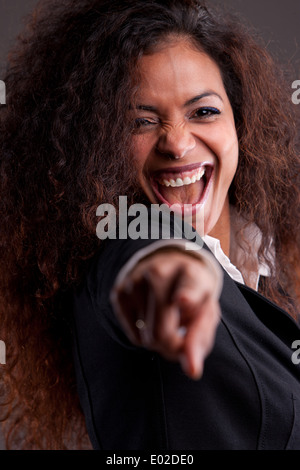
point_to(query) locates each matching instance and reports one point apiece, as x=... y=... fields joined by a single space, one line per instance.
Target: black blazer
x=133 y=399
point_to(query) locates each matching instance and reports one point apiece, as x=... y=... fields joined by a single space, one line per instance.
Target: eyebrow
x=186 y=104
x=199 y=97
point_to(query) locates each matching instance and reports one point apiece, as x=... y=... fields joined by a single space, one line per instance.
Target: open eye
x=204 y=112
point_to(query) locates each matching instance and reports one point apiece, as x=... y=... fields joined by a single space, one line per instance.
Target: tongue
x=187 y=194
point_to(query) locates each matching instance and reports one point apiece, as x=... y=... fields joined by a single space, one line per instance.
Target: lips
x=181 y=186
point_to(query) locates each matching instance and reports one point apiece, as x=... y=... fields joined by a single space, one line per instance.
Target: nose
x=176 y=142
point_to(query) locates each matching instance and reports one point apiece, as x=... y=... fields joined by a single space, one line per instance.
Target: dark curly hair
x=65 y=148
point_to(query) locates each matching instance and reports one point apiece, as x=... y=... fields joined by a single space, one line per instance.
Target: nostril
x=168 y=154
x=175 y=144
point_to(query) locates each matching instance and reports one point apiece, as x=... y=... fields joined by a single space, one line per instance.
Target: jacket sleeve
x=114 y=261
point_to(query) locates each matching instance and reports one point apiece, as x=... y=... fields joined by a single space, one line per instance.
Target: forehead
x=178 y=69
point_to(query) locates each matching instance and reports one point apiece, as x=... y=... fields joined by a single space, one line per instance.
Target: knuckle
x=160 y=338
x=156 y=270
x=189 y=271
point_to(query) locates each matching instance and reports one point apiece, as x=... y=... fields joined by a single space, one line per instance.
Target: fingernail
x=194 y=367
x=197 y=363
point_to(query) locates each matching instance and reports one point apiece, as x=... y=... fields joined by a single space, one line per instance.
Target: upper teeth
x=184 y=181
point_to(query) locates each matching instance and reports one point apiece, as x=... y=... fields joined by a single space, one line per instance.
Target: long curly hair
x=65 y=149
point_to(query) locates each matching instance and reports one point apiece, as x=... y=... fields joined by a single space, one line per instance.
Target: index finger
x=199 y=338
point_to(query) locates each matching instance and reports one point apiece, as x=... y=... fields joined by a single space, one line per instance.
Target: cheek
x=226 y=150
x=233 y=157
x=227 y=171
x=230 y=160
x=141 y=148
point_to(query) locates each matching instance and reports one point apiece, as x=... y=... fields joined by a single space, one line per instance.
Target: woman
x=114 y=98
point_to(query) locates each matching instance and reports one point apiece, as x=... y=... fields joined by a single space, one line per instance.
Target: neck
x=221 y=230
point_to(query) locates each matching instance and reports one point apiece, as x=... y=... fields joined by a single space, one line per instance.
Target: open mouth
x=184 y=188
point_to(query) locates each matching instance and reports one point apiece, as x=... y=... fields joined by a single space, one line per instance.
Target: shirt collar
x=243 y=252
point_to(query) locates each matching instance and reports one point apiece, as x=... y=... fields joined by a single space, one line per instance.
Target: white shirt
x=260 y=269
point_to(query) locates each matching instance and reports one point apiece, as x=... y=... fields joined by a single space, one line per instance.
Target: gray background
x=278 y=21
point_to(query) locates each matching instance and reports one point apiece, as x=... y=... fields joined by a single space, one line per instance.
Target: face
x=185 y=145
